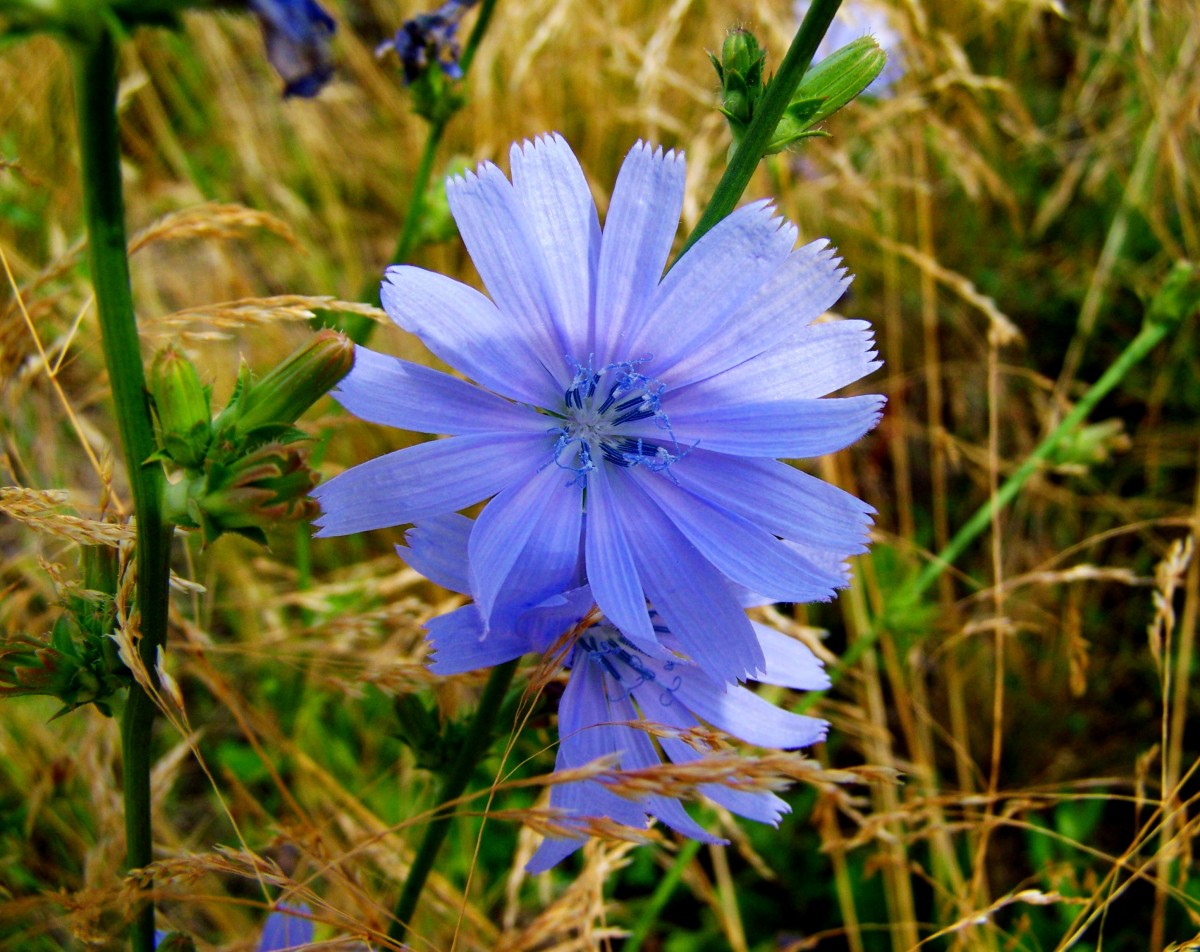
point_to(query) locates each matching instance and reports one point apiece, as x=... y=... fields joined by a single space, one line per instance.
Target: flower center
x=625 y=665
x=597 y=404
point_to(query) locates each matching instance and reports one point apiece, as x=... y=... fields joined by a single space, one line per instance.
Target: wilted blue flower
x=428 y=38
x=612 y=687
x=660 y=402
x=297 y=35
x=856 y=18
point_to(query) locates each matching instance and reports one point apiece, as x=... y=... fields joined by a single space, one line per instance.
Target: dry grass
x=1034 y=177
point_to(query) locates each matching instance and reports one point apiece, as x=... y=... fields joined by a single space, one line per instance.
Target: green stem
x=662 y=892
x=776 y=98
x=355 y=326
x=420 y=185
x=474 y=746
x=477 y=33
x=94 y=61
x=1152 y=333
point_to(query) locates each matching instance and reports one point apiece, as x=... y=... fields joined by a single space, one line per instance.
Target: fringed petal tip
x=528 y=148
x=656 y=153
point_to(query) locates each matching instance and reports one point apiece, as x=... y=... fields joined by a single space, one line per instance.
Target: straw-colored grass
x=1006 y=215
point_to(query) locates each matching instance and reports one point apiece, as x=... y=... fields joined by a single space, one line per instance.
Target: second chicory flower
x=616 y=695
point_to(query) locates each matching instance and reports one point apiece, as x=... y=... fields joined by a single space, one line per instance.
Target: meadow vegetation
x=1012 y=760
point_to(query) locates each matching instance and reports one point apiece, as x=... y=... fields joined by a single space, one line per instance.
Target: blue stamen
x=631 y=397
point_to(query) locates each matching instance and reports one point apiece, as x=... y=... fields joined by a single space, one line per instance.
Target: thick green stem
x=95 y=67
x=762 y=127
x=1151 y=334
x=475 y=745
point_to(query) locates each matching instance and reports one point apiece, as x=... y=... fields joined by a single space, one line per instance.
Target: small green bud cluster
x=1089 y=445
x=244 y=470
x=437 y=96
x=77 y=661
x=825 y=88
x=1178 y=298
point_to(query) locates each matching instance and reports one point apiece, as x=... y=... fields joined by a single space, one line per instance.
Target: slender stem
x=355 y=326
x=474 y=746
x=482 y=22
x=1151 y=334
x=420 y=184
x=774 y=103
x=94 y=61
x=662 y=892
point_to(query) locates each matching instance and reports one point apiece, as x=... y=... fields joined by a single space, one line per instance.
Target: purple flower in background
x=287 y=927
x=297 y=34
x=428 y=38
x=858 y=18
x=626 y=426
x=612 y=686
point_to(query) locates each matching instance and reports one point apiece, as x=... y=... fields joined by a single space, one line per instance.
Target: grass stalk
x=1150 y=336
x=659 y=898
x=94 y=63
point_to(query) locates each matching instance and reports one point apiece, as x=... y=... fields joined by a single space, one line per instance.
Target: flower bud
x=278 y=400
x=740 y=70
x=1179 y=296
x=1088 y=445
x=837 y=79
x=72 y=666
x=825 y=89
x=428 y=52
x=181 y=408
x=255 y=491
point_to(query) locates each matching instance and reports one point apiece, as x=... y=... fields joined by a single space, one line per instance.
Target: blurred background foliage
x=1007 y=213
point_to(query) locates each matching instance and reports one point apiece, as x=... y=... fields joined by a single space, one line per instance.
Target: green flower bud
x=181 y=409
x=1089 y=445
x=252 y=492
x=740 y=70
x=826 y=88
x=1179 y=296
x=741 y=55
x=837 y=79
x=266 y=410
x=76 y=671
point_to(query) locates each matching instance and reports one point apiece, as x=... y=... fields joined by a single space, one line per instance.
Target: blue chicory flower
x=428 y=38
x=854 y=19
x=613 y=687
x=662 y=403
x=296 y=33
